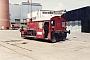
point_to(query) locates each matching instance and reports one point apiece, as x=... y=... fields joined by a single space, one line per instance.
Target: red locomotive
x=53 y=29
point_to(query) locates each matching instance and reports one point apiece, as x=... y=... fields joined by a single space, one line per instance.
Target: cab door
x=46 y=29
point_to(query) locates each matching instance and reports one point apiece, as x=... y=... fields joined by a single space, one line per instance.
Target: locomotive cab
x=53 y=29
x=58 y=29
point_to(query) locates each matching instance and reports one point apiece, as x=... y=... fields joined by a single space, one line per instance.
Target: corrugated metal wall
x=81 y=18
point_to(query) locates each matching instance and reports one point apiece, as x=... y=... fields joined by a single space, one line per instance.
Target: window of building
x=17 y=21
x=50 y=12
x=24 y=20
x=57 y=12
x=45 y=12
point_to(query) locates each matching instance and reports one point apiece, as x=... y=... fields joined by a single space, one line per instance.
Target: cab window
x=53 y=23
x=40 y=25
x=63 y=23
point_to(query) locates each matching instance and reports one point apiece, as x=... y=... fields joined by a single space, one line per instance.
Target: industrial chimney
x=28 y=1
x=4 y=15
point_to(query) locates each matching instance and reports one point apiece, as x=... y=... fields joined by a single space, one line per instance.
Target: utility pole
x=31 y=10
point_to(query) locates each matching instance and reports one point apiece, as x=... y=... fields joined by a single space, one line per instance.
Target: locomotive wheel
x=53 y=38
x=64 y=36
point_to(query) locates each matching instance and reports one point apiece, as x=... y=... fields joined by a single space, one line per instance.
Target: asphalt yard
x=13 y=47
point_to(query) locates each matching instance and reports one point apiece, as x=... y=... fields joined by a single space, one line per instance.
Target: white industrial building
x=19 y=12
x=45 y=13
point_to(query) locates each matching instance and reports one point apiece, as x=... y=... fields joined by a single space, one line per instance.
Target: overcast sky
x=59 y=4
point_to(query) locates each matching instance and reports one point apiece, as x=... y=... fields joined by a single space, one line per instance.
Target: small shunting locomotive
x=53 y=29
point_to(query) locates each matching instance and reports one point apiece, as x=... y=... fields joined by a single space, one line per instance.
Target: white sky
x=59 y=4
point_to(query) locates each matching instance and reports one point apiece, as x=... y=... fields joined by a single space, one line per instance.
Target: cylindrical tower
x=4 y=14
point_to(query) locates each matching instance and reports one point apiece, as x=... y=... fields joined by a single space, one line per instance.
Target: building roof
x=33 y=4
x=53 y=10
x=45 y=18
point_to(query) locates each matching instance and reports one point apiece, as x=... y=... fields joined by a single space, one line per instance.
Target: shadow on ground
x=42 y=40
